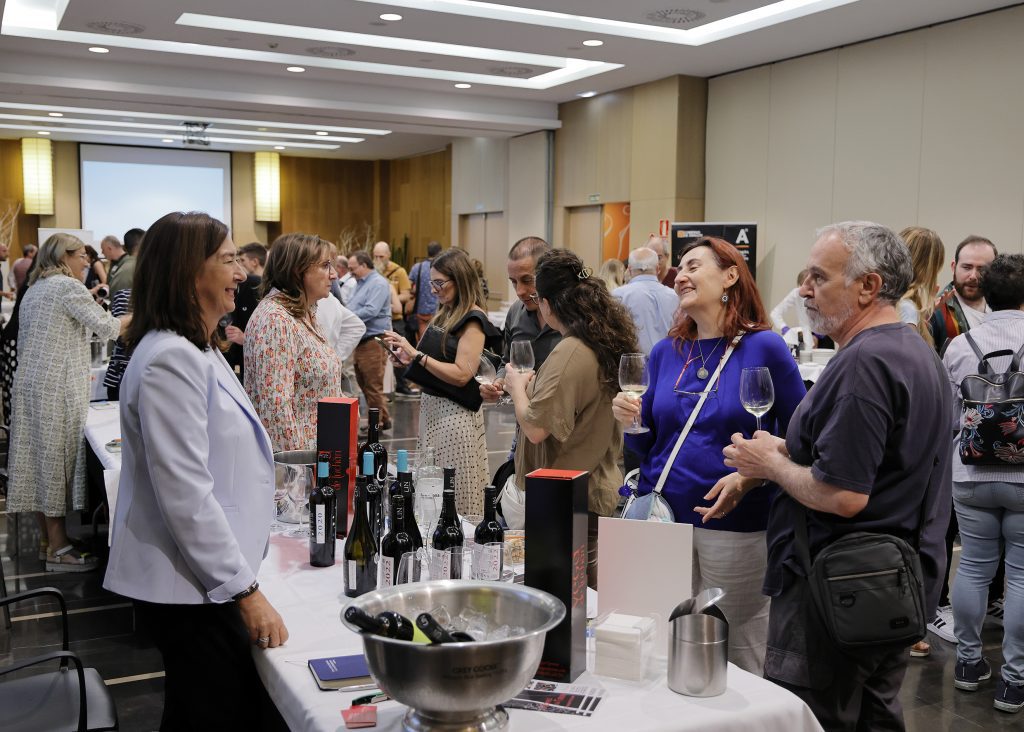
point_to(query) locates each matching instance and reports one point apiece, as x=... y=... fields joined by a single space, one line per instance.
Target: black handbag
x=992 y=424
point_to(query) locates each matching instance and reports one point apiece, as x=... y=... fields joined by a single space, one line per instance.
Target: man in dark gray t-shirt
x=867 y=450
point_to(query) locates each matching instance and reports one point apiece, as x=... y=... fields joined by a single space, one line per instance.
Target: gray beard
x=828 y=324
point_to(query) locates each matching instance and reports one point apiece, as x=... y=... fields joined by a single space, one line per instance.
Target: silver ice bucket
x=698 y=651
x=293 y=472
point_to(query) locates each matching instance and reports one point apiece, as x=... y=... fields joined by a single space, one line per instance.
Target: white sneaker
x=942 y=626
x=994 y=613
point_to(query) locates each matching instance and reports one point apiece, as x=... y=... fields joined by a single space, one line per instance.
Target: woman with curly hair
x=718 y=300
x=563 y=411
x=289 y=363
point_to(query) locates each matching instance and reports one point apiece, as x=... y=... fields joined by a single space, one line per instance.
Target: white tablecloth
x=811 y=371
x=102 y=425
x=310 y=600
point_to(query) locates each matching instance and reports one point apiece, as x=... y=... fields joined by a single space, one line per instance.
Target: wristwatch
x=418 y=357
x=246 y=592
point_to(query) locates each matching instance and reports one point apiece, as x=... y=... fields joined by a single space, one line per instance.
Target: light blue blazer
x=195 y=500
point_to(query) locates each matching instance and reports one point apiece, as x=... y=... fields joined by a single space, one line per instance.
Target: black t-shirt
x=246 y=299
x=876 y=422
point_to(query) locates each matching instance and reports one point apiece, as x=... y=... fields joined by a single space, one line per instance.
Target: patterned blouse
x=289 y=367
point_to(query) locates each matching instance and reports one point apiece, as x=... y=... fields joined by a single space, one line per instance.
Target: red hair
x=744 y=311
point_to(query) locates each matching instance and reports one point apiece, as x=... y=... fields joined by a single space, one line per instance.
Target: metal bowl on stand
x=460 y=686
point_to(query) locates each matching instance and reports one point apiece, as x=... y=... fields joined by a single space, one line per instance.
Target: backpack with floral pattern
x=992 y=424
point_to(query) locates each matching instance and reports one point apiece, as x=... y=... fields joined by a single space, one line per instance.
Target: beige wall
x=244 y=226
x=921 y=128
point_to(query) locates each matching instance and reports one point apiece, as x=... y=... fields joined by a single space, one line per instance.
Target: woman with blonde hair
x=928 y=256
x=444 y=364
x=51 y=395
x=612 y=274
x=289 y=362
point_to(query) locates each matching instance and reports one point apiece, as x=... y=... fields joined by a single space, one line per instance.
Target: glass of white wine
x=485 y=373
x=757 y=394
x=633 y=380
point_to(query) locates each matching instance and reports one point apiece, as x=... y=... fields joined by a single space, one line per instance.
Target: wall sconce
x=37 y=174
x=268 y=186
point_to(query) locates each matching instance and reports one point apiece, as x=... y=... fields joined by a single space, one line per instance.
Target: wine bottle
x=374 y=499
x=372 y=445
x=364 y=621
x=408 y=491
x=360 y=551
x=322 y=518
x=398 y=626
x=448 y=537
x=394 y=544
x=436 y=633
x=489 y=537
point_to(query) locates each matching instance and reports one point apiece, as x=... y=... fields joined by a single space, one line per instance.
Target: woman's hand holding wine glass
x=633 y=380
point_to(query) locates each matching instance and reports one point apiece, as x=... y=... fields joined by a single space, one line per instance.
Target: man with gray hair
x=650 y=303
x=662 y=247
x=866 y=451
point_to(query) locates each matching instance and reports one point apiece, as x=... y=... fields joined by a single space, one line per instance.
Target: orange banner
x=615 y=231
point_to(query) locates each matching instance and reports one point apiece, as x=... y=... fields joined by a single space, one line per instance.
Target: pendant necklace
x=702 y=372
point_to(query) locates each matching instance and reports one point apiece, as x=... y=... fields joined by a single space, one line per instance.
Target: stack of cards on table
x=358 y=717
x=622 y=645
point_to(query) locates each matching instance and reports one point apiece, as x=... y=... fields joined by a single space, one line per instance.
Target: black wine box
x=337 y=432
x=556 y=562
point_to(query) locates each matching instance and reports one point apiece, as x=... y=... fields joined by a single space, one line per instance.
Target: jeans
x=989 y=514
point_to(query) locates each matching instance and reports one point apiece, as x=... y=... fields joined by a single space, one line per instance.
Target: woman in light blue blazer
x=195 y=500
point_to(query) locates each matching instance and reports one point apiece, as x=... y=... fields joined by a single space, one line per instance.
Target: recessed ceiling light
x=56 y=114
x=99 y=49
x=167 y=139
x=463 y=86
x=42 y=132
x=587 y=95
x=593 y=42
x=390 y=16
x=296 y=69
x=279 y=147
x=321 y=133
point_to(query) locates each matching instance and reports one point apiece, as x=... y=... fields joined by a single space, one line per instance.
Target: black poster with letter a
x=742 y=235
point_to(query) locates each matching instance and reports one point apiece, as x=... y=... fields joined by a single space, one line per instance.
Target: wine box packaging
x=337 y=433
x=556 y=562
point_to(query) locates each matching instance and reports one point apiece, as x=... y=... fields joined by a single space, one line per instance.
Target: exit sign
x=594 y=198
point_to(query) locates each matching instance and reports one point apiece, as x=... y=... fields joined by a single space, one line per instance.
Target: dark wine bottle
x=448 y=537
x=394 y=544
x=436 y=633
x=364 y=621
x=489 y=537
x=398 y=626
x=408 y=491
x=372 y=445
x=322 y=518
x=360 y=551
x=374 y=500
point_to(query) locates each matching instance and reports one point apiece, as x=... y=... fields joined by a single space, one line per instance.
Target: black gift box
x=337 y=432
x=556 y=562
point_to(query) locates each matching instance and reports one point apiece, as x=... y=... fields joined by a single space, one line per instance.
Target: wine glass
x=633 y=380
x=521 y=356
x=757 y=394
x=485 y=373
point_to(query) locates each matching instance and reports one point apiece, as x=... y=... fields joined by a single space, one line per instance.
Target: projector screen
x=128 y=187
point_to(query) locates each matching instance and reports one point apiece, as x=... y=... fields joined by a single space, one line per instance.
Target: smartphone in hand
x=390 y=351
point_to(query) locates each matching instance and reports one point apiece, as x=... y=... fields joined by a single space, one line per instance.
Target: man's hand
x=491 y=393
x=235 y=334
x=758 y=457
x=265 y=626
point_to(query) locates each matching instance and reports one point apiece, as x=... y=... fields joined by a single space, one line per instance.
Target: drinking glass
x=633 y=380
x=280 y=493
x=485 y=373
x=757 y=394
x=521 y=356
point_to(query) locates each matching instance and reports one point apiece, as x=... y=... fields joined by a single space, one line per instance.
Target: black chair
x=56 y=700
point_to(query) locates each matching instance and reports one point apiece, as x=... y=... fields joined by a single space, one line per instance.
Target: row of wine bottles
x=394 y=625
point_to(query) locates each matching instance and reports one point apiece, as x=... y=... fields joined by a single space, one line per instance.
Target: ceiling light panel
x=734 y=25
x=158 y=136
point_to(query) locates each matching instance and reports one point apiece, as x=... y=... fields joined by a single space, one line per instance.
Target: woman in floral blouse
x=289 y=365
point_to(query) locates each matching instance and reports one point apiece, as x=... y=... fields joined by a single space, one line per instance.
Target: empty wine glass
x=757 y=394
x=521 y=356
x=485 y=372
x=280 y=492
x=633 y=380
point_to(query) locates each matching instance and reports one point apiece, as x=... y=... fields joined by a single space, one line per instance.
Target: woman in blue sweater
x=718 y=299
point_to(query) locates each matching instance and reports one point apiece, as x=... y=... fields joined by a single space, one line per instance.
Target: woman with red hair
x=718 y=301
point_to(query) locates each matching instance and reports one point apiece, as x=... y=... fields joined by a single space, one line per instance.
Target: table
x=103 y=424
x=811 y=371
x=310 y=600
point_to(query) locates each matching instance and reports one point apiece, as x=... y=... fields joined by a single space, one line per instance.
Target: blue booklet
x=341 y=672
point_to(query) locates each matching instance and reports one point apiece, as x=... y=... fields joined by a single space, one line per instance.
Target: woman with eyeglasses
x=51 y=396
x=718 y=300
x=289 y=362
x=563 y=411
x=444 y=364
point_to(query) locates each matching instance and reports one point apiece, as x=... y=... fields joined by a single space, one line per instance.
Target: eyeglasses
x=325 y=266
x=438 y=284
x=534 y=297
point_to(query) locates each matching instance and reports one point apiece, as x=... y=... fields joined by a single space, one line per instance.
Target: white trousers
x=736 y=562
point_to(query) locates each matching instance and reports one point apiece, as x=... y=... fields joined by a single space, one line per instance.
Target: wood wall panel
x=12 y=189
x=419 y=195
x=326 y=196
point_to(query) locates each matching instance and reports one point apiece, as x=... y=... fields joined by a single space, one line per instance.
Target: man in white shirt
x=651 y=304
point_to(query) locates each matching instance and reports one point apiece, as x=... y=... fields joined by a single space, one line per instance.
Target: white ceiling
x=240 y=76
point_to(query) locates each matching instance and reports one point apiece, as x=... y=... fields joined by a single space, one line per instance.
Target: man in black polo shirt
x=866 y=450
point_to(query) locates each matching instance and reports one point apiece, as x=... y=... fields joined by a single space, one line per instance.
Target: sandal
x=921 y=649
x=70 y=559
x=44 y=547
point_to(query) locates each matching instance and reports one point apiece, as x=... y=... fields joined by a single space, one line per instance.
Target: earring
x=725 y=297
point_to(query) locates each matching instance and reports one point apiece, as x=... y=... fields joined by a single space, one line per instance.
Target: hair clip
x=584 y=273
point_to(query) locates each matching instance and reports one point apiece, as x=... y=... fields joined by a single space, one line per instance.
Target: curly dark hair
x=587 y=311
x=1002 y=282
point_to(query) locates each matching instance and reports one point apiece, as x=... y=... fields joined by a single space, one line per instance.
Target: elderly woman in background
x=928 y=257
x=51 y=395
x=195 y=502
x=718 y=300
x=564 y=411
x=289 y=362
x=444 y=364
